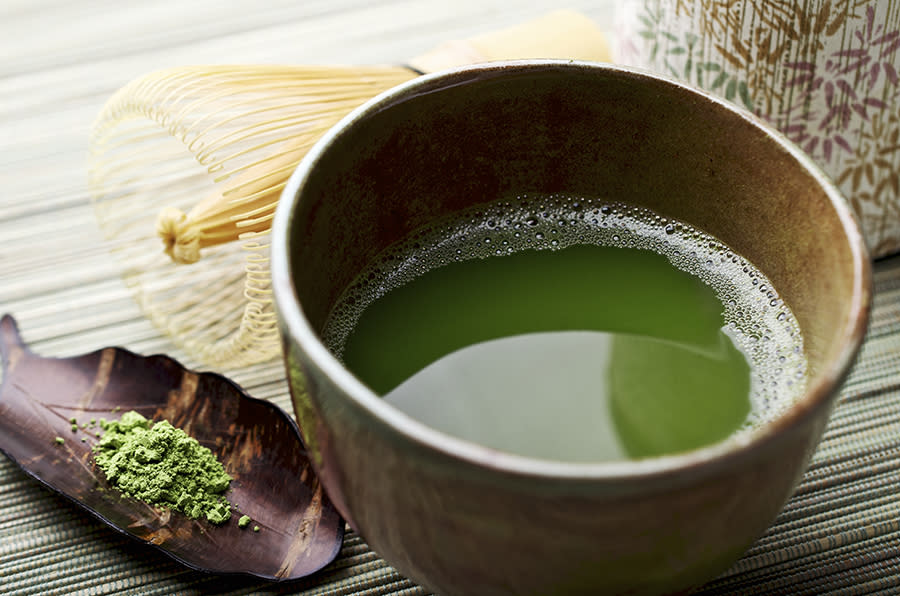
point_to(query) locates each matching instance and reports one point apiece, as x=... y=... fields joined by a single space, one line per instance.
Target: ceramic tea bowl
x=463 y=519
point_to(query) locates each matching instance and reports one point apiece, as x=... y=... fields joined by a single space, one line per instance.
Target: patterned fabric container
x=824 y=72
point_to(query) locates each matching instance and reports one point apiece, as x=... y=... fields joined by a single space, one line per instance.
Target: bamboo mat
x=839 y=535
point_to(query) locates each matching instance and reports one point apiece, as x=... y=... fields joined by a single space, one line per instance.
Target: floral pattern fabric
x=824 y=72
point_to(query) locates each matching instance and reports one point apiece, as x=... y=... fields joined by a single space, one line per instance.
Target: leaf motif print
x=850 y=88
x=803 y=21
x=890 y=46
x=891 y=73
x=730 y=89
x=734 y=60
x=719 y=81
x=874 y=73
x=825 y=72
x=822 y=18
x=836 y=24
x=744 y=94
x=842 y=142
x=870 y=19
x=841 y=180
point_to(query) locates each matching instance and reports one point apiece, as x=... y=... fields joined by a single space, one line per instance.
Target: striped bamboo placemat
x=838 y=535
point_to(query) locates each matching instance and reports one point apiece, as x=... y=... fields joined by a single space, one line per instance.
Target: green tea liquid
x=570 y=330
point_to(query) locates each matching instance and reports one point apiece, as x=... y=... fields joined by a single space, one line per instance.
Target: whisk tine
x=190 y=161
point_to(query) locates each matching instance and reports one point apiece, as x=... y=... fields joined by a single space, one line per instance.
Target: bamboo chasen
x=192 y=160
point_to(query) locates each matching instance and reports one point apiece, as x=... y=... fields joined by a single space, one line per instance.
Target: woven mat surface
x=839 y=534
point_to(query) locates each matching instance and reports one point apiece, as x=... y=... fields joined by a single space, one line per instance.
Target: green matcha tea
x=571 y=329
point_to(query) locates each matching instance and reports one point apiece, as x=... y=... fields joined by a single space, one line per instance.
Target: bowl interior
x=442 y=144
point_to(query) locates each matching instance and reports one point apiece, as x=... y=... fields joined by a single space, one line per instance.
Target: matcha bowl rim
x=295 y=326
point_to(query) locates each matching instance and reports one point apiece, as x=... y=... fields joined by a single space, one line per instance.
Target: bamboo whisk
x=272 y=117
x=192 y=159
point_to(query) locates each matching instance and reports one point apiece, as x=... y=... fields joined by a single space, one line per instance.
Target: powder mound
x=163 y=466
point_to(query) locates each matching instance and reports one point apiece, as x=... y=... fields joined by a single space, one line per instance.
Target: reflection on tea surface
x=582 y=395
x=571 y=329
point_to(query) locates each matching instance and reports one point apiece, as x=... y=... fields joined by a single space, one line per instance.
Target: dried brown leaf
x=256 y=442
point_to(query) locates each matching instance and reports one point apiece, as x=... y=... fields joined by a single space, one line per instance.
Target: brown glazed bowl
x=463 y=519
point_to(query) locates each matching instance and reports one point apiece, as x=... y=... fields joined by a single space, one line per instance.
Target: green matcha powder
x=163 y=466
